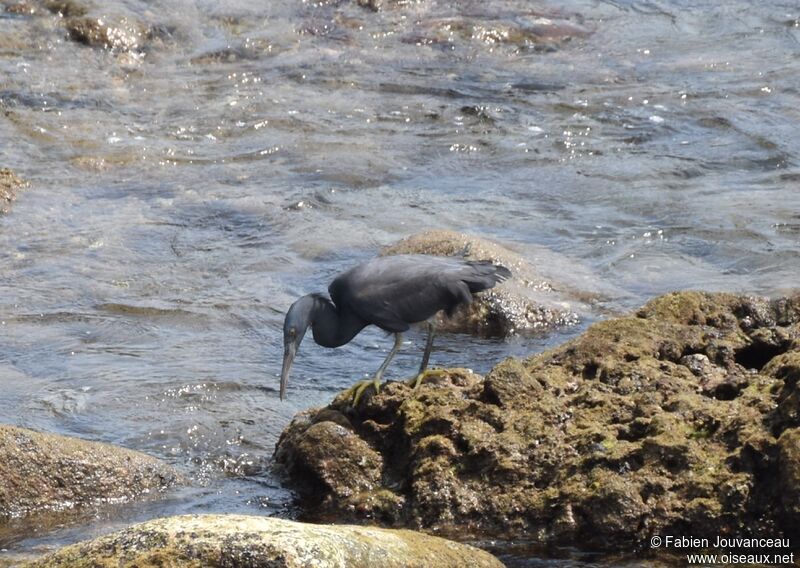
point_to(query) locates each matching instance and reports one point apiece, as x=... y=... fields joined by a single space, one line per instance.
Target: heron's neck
x=331 y=326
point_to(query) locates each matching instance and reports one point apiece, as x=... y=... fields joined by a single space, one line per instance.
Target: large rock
x=9 y=184
x=667 y=421
x=525 y=302
x=47 y=472
x=235 y=540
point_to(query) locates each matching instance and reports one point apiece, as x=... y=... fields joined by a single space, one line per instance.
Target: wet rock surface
x=117 y=29
x=522 y=32
x=47 y=472
x=524 y=303
x=679 y=419
x=120 y=34
x=237 y=540
x=444 y=26
x=10 y=183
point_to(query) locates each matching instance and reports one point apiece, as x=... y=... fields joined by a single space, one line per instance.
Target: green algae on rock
x=789 y=474
x=47 y=472
x=526 y=302
x=679 y=419
x=237 y=540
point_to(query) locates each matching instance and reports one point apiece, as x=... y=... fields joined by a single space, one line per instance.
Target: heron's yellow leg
x=423 y=368
x=358 y=389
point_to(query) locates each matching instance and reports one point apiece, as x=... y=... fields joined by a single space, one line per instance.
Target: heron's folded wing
x=408 y=291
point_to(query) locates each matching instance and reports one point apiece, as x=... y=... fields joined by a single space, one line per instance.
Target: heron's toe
x=358 y=389
x=414 y=382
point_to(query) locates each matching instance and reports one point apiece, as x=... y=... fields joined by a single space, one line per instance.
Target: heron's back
x=393 y=292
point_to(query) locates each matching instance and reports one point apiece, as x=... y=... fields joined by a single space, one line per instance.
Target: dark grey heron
x=391 y=292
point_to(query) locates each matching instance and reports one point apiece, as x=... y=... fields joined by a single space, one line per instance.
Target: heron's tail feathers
x=485 y=275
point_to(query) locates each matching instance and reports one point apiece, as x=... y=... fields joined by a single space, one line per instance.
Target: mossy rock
x=666 y=421
x=46 y=472
x=219 y=541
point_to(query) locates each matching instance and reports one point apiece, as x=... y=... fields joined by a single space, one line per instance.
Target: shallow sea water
x=187 y=185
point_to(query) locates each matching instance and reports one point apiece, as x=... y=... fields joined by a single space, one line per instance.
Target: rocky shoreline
x=175 y=174
x=682 y=418
x=44 y=475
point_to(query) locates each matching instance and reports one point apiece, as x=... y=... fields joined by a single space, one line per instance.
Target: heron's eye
x=292 y=332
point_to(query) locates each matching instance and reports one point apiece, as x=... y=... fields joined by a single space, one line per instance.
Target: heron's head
x=298 y=318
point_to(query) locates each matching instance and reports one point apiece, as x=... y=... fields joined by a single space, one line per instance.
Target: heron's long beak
x=289 y=351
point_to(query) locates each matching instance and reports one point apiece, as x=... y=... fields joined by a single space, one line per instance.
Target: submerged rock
x=526 y=302
x=10 y=183
x=119 y=34
x=47 y=472
x=520 y=31
x=61 y=8
x=117 y=28
x=620 y=434
x=238 y=540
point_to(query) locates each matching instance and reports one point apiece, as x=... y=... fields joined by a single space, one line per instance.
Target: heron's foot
x=414 y=382
x=358 y=389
